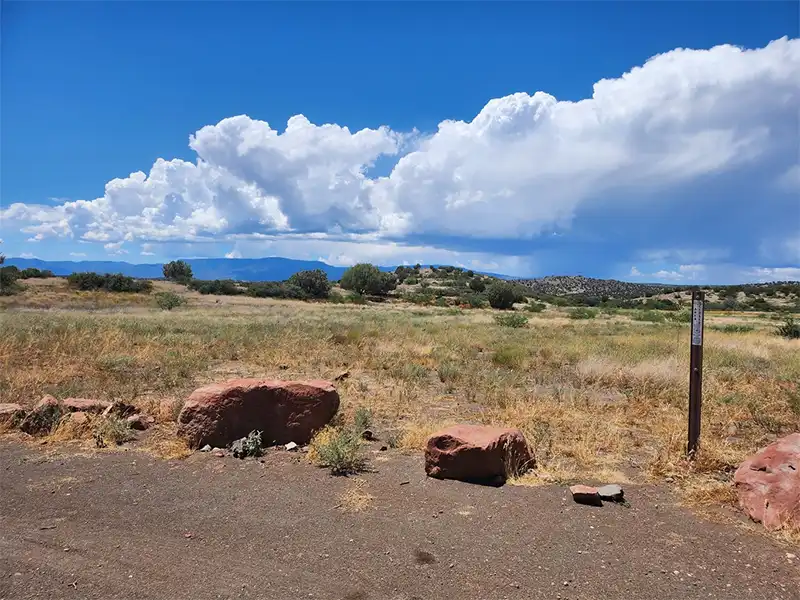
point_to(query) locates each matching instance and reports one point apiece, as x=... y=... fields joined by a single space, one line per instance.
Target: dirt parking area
x=122 y=524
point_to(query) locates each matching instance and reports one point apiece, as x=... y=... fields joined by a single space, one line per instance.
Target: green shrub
x=509 y=356
x=169 y=300
x=582 y=313
x=109 y=282
x=502 y=295
x=513 y=319
x=789 y=329
x=339 y=449
x=403 y=273
x=219 y=287
x=270 y=289
x=681 y=316
x=34 y=273
x=411 y=281
x=177 y=270
x=472 y=300
x=362 y=420
x=660 y=304
x=314 y=283
x=535 y=307
x=368 y=279
x=113 y=430
x=420 y=298
x=409 y=371
x=649 y=316
x=8 y=281
x=733 y=328
x=477 y=285
x=448 y=372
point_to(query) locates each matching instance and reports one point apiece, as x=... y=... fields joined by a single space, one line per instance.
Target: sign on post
x=696 y=372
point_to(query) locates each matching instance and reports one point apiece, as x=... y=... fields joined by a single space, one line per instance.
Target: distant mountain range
x=279 y=269
x=240 y=269
x=272 y=268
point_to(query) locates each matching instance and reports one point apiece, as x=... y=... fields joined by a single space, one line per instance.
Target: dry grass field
x=600 y=399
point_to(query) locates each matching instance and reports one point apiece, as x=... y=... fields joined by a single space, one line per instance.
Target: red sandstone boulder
x=85 y=405
x=284 y=411
x=10 y=414
x=48 y=411
x=44 y=416
x=477 y=453
x=768 y=484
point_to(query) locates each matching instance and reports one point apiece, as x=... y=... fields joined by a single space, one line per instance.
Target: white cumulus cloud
x=525 y=165
x=115 y=248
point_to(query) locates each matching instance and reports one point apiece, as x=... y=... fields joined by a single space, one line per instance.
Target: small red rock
x=585 y=494
x=77 y=418
x=139 y=422
x=85 y=405
x=119 y=409
x=47 y=400
x=477 y=453
x=768 y=484
x=11 y=413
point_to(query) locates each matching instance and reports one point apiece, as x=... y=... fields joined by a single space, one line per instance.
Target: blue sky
x=461 y=133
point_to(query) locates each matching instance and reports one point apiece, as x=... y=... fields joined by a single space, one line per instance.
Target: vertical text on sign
x=696 y=373
x=697 y=320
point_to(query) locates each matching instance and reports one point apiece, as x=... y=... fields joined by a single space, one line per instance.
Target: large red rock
x=284 y=411
x=768 y=484
x=477 y=453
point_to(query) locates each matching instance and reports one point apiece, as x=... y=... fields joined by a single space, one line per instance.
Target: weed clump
x=510 y=356
x=112 y=430
x=582 y=313
x=733 y=328
x=514 y=320
x=169 y=300
x=250 y=445
x=362 y=420
x=648 y=316
x=789 y=329
x=339 y=449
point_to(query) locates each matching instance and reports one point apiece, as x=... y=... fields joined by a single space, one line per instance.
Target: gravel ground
x=126 y=525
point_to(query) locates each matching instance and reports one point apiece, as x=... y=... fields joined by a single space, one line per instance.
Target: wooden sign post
x=696 y=372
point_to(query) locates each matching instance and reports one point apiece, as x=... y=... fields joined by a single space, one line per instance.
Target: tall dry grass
x=600 y=399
